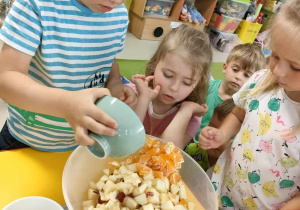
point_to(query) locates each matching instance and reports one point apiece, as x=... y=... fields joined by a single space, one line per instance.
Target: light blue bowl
x=130 y=134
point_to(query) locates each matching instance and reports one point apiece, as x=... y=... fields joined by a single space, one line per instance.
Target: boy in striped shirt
x=58 y=58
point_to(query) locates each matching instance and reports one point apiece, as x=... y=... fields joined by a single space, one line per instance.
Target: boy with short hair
x=242 y=62
x=208 y=158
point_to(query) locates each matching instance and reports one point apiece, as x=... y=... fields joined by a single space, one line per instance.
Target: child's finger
x=82 y=137
x=98 y=127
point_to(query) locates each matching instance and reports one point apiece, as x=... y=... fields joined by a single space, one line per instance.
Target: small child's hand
x=197 y=109
x=210 y=138
x=142 y=85
x=83 y=115
x=124 y=93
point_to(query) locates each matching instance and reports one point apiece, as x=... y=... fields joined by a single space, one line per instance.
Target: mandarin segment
x=174 y=178
x=158 y=174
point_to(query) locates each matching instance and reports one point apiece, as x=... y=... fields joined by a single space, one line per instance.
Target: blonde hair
x=289 y=14
x=195 y=48
x=248 y=56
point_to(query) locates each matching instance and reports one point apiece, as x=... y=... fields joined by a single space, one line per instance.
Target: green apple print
x=241 y=173
x=253 y=105
x=286 y=183
x=226 y=201
x=253 y=177
x=288 y=162
x=251 y=86
x=274 y=104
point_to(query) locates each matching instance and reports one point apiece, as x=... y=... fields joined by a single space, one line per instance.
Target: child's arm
x=145 y=94
x=176 y=130
x=294 y=203
x=213 y=138
x=77 y=107
x=117 y=89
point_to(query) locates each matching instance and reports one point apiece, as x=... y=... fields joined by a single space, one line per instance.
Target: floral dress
x=261 y=168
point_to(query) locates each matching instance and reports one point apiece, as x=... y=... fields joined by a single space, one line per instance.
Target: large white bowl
x=83 y=167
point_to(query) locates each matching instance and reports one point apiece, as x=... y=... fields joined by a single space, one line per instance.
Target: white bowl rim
x=32 y=197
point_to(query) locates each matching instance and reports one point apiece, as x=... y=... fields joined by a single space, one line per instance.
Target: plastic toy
x=191 y=13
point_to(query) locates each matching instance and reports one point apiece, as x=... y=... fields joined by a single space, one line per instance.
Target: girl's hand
x=83 y=115
x=196 y=109
x=124 y=93
x=210 y=138
x=142 y=86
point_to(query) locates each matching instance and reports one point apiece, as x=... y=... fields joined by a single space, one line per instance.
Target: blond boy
x=242 y=62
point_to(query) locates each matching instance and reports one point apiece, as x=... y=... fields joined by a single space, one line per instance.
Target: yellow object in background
x=127 y=4
x=248 y=31
x=29 y=172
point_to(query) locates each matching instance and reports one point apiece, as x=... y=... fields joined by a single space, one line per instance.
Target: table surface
x=29 y=172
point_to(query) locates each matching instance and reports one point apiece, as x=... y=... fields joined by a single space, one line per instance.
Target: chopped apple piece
x=104 y=178
x=142 y=187
x=100 y=185
x=141 y=199
x=167 y=205
x=180 y=207
x=161 y=186
x=152 y=195
x=113 y=196
x=182 y=192
x=132 y=167
x=191 y=205
x=109 y=187
x=149 y=176
x=88 y=203
x=130 y=202
x=106 y=172
x=93 y=194
x=149 y=206
x=93 y=185
x=167 y=182
x=174 y=189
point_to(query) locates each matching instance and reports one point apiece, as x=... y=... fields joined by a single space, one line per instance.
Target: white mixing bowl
x=83 y=167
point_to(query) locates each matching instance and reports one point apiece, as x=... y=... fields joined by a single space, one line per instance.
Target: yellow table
x=29 y=172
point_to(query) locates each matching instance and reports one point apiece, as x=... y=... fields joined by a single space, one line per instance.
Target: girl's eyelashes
x=295 y=69
x=167 y=75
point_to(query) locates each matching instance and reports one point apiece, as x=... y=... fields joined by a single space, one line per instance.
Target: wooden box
x=150 y=28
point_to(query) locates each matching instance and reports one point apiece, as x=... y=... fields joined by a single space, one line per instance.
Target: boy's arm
x=232 y=125
x=294 y=203
x=119 y=90
x=213 y=138
x=77 y=107
x=176 y=130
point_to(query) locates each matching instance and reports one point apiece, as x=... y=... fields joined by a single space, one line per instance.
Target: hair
x=194 y=47
x=224 y=108
x=248 y=57
x=288 y=15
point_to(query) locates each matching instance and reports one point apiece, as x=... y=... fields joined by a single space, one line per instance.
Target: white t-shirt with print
x=261 y=168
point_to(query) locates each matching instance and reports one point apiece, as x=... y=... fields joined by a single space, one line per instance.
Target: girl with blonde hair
x=260 y=170
x=174 y=86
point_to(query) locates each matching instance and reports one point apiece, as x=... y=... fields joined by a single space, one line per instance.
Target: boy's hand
x=125 y=94
x=142 y=86
x=83 y=115
x=210 y=138
x=197 y=109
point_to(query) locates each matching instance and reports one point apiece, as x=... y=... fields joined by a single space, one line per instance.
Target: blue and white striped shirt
x=72 y=47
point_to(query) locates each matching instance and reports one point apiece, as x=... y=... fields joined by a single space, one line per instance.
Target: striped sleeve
x=22 y=28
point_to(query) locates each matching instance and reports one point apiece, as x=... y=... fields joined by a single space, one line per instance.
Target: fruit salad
x=147 y=180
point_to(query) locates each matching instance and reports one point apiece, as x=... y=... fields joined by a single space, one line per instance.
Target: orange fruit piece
x=169 y=147
x=174 y=178
x=151 y=152
x=178 y=157
x=113 y=165
x=144 y=159
x=158 y=174
x=144 y=170
x=182 y=202
x=150 y=141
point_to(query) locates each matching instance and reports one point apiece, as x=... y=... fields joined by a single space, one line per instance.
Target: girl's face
x=101 y=6
x=285 y=61
x=174 y=75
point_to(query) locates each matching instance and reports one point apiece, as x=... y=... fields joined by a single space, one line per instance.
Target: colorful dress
x=261 y=168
